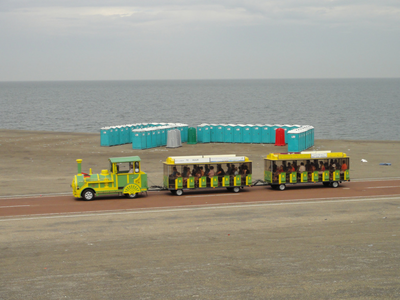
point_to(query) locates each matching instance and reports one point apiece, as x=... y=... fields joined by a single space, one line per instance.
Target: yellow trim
x=280 y=156
x=171 y=160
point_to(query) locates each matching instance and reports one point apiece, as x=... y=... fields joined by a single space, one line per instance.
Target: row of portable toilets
x=151 y=135
x=141 y=135
x=297 y=137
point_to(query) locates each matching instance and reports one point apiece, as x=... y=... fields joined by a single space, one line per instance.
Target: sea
x=343 y=109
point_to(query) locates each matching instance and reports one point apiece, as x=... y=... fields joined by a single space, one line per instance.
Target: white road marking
x=199 y=196
x=13 y=206
x=208 y=207
x=383 y=187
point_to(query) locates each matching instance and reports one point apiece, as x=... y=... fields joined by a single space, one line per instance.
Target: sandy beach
x=39 y=162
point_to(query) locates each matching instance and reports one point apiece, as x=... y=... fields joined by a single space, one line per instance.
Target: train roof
x=305 y=155
x=124 y=159
x=204 y=159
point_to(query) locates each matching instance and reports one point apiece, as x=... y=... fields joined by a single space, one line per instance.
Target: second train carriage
x=330 y=168
x=207 y=171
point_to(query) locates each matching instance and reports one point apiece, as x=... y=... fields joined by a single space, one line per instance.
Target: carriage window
x=137 y=167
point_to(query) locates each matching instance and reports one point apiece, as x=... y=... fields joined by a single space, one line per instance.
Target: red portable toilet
x=280 y=137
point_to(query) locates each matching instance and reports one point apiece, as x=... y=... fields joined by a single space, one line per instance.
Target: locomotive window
x=123 y=167
x=137 y=167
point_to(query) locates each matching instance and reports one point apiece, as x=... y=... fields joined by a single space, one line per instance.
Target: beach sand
x=39 y=162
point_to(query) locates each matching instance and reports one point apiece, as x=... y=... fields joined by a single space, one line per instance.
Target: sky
x=44 y=40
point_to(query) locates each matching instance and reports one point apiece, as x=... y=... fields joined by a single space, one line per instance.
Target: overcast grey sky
x=201 y=39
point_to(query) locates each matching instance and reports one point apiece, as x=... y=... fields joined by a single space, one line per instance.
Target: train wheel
x=335 y=184
x=88 y=194
x=134 y=195
x=179 y=192
x=229 y=189
x=326 y=183
x=173 y=192
x=282 y=187
x=236 y=189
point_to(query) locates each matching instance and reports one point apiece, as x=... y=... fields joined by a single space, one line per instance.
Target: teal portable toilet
x=128 y=127
x=228 y=133
x=265 y=134
x=237 y=134
x=117 y=135
x=256 y=131
x=104 y=137
x=200 y=131
x=206 y=134
x=312 y=136
x=220 y=133
x=112 y=136
x=153 y=137
x=293 y=140
x=213 y=133
x=148 y=138
x=163 y=131
x=247 y=133
x=158 y=136
x=133 y=128
x=122 y=135
x=137 y=141
x=127 y=134
x=184 y=133
x=302 y=139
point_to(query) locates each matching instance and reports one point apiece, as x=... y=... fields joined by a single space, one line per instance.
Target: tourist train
x=126 y=177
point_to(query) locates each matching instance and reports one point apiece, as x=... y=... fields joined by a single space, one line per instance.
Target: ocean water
x=361 y=109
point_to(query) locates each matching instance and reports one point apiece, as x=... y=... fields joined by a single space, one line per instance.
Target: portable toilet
x=247 y=133
x=220 y=133
x=148 y=137
x=312 y=136
x=111 y=135
x=163 y=135
x=137 y=140
x=122 y=135
x=153 y=136
x=206 y=134
x=158 y=136
x=237 y=134
x=302 y=138
x=184 y=133
x=213 y=133
x=192 y=139
x=228 y=133
x=104 y=137
x=172 y=140
x=280 y=137
x=265 y=134
x=273 y=136
x=256 y=131
x=293 y=140
x=200 y=131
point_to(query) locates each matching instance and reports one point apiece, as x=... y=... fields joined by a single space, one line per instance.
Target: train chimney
x=79 y=161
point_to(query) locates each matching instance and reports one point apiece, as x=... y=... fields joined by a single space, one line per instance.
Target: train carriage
x=207 y=171
x=330 y=168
